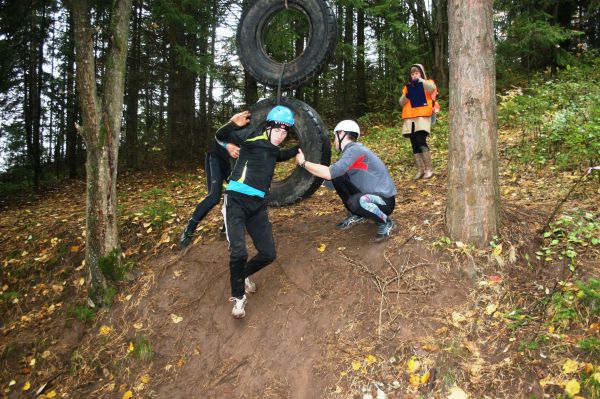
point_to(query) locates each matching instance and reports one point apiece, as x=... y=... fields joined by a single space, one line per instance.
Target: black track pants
x=247 y=213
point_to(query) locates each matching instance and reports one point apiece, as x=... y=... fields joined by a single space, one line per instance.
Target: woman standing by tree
x=417 y=109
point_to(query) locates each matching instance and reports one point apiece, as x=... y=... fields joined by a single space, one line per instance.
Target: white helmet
x=348 y=126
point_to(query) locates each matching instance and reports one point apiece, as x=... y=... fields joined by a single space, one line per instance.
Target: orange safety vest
x=409 y=112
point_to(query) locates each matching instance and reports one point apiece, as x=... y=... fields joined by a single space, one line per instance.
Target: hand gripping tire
x=314 y=141
x=319 y=48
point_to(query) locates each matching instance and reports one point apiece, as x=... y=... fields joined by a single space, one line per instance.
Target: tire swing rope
x=279 y=83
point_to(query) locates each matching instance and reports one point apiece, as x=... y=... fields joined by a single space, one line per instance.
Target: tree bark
x=134 y=77
x=472 y=213
x=361 y=78
x=101 y=129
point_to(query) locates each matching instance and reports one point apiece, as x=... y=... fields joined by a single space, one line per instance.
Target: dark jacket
x=255 y=166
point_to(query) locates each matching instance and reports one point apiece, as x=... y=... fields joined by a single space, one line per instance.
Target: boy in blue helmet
x=245 y=204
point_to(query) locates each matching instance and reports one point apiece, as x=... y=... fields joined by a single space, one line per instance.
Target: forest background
x=183 y=81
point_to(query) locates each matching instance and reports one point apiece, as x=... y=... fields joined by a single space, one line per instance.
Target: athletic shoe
x=349 y=221
x=185 y=238
x=238 y=311
x=384 y=229
x=250 y=286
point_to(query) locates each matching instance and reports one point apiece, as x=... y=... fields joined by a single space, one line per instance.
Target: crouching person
x=360 y=179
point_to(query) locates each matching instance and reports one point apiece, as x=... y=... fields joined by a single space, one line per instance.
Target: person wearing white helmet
x=245 y=203
x=360 y=179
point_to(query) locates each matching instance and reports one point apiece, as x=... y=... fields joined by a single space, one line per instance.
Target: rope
x=279 y=83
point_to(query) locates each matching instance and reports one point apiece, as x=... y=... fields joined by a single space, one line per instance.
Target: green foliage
x=160 y=209
x=569 y=235
x=590 y=345
x=83 y=313
x=9 y=295
x=112 y=268
x=142 y=349
x=558 y=118
x=575 y=304
x=282 y=32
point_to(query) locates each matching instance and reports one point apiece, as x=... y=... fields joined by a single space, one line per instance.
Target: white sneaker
x=250 y=286
x=238 y=311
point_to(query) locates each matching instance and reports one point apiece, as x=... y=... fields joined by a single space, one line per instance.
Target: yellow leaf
x=572 y=387
x=491 y=308
x=338 y=389
x=74 y=248
x=371 y=359
x=570 y=366
x=51 y=394
x=596 y=376
x=497 y=250
x=176 y=319
x=413 y=364
x=425 y=377
x=321 y=247
x=105 y=330
x=145 y=378
x=26 y=386
x=414 y=380
x=128 y=395
x=355 y=365
x=131 y=348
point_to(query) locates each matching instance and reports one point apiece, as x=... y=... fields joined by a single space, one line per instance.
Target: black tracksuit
x=245 y=207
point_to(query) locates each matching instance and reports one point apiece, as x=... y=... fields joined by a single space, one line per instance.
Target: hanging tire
x=320 y=46
x=314 y=141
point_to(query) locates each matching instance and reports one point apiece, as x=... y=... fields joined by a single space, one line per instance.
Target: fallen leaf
x=413 y=364
x=145 y=378
x=572 y=387
x=131 y=347
x=570 y=366
x=425 y=377
x=128 y=395
x=497 y=250
x=355 y=365
x=26 y=386
x=414 y=380
x=321 y=247
x=491 y=308
x=51 y=394
x=371 y=359
x=176 y=319
x=105 y=330
x=457 y=393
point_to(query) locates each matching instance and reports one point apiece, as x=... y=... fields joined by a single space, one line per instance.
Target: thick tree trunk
x=100 y=130
x=472 y=214
x=181 y=91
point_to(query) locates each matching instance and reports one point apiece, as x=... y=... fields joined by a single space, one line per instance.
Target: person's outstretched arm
x=287 y=153
x=316 y=169
x=232 y=131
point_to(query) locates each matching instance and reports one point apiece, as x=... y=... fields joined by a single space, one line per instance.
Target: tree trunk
x=349 y=96
x=133 y=91
x=472 y=213
x=361 y=78
x=181 y=95
x=100 y=129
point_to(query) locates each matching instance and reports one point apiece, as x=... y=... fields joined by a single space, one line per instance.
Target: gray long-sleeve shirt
x=366 y=171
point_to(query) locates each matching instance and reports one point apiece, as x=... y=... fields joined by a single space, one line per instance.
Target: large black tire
x=319 y=48
x=314 y=141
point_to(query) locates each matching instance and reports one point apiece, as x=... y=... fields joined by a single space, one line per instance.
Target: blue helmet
x=281 y=114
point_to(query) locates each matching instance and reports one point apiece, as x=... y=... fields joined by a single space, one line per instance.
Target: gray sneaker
x=239 y=304
x=384 y=229
x=350 y=221
x=250 y=286
x=185 y=238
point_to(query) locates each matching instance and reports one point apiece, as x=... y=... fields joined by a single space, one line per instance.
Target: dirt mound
x=327 y=294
